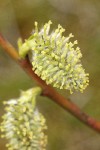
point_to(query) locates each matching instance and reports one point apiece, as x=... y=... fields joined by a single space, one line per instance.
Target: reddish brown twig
x=48 y=90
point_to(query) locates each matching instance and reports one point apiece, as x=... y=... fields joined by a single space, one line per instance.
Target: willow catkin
x=23 y=125
x=55 y=58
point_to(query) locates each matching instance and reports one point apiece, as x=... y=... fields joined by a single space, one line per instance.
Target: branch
x=48 y=90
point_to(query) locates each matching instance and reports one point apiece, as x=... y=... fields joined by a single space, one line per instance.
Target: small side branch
x=48 y=90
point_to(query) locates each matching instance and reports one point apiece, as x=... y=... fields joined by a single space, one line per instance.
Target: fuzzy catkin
x=55 y=58
x=23 y=125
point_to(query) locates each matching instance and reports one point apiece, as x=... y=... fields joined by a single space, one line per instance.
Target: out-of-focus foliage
x=82 y=19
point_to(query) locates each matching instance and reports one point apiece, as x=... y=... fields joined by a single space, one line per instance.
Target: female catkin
x=23 y=125
x=55 y=58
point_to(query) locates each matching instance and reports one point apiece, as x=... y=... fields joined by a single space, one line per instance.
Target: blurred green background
x=82 y=18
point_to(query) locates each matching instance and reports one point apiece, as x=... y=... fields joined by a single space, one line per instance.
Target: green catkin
x=23 y=125
x=55 y=58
